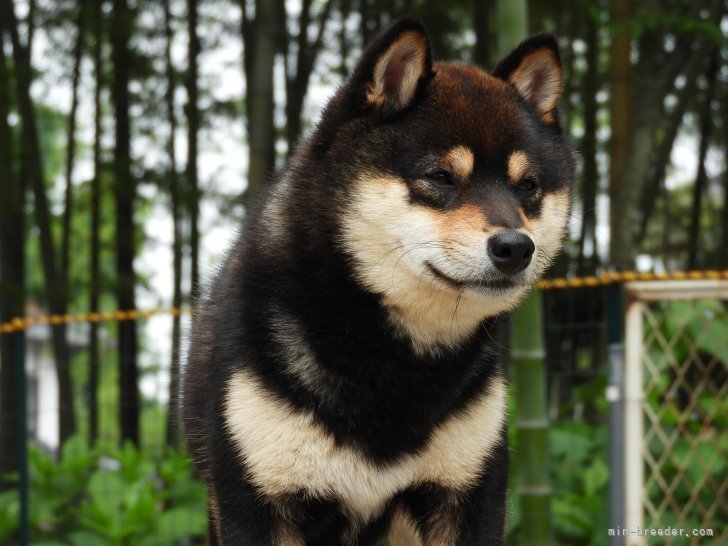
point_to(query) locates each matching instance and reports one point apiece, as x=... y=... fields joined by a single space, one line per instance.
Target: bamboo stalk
x=531 y=461
x=527 y=359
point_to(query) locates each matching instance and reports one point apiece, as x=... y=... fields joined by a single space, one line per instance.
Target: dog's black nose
x=510 y=251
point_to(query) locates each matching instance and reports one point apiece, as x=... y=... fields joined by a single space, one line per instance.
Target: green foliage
x=677 y=20
x=108 y=496
x=580 y=477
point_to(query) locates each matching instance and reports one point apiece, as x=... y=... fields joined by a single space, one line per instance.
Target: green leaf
x=139 y=502
x=180 y=523
x=87 y=538
x=9 y=513
x=106 y=489
x=596 y=477
x=76 y=456
x=571 y=518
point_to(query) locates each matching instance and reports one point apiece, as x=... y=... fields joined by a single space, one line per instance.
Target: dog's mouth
x=498 y=284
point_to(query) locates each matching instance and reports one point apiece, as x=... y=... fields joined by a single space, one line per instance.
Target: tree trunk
x=71 y=147
x=701 y=178
x=483 y=52
x=12 y=284
x=30 y=19
x=193 y=128
x=247 y=26
x=32 y=168
x=619 y=114
x=723 y=253
x=124 y=195
x=366 y=33
x=172 y=434
x=297 y=84
x=590 y=178
x=261 y=129
x=94 y=362
x=512 y=24
x=568 y=22
x=345 y=45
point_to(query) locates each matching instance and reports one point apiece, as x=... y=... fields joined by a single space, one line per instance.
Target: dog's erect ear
x=392 y=68
x=534 y=68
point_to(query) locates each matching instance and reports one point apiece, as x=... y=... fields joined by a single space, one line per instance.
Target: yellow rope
x=613 y=277
x=19 y=324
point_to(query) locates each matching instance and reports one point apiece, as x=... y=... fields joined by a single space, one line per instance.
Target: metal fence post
x=23 y=482
x=633 y=425
x=615 y=400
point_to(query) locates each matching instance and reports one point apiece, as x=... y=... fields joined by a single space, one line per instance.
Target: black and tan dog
x=343 y=381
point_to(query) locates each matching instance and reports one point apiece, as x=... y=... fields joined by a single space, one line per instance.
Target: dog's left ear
x=534 y=68
x=393 y=67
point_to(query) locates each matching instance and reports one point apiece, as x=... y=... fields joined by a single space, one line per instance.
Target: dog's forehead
x=476 y=107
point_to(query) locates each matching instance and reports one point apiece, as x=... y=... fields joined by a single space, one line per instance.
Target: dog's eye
x=440 y=178
x=527 y=185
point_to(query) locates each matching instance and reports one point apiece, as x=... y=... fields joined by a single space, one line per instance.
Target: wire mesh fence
x=677 y=460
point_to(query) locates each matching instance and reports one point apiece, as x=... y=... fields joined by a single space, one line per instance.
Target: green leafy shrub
x=109 y=496
x=580 y=476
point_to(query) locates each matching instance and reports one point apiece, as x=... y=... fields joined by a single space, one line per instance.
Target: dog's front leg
x=240 y=519
x=483 y=513
x=475 y=517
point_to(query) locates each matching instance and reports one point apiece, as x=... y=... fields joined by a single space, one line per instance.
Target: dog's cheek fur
x=389 y=240
x=549 y=229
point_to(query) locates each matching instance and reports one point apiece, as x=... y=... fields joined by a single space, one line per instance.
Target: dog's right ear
x=534 y=69
x=393 y=68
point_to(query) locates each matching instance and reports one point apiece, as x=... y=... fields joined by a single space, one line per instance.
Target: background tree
x=124 y=197
x=300 y=56
x=587 y=258
x=95 y=227
x=177 y=243
x=705 y=115
x=12 y=277
x=71 y=143
x=32 y=170
x=193 y=128
x=262 y=39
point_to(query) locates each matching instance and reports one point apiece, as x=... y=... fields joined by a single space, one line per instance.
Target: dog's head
x=457 y=189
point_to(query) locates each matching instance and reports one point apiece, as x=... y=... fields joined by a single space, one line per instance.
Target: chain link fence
x=676 y=385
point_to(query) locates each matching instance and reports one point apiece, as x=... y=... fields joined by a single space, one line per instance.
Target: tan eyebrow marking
x=518 y=166
x=524 y=219
x=461 y=160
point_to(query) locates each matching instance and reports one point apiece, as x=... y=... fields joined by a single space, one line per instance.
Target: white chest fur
x=286 y=450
